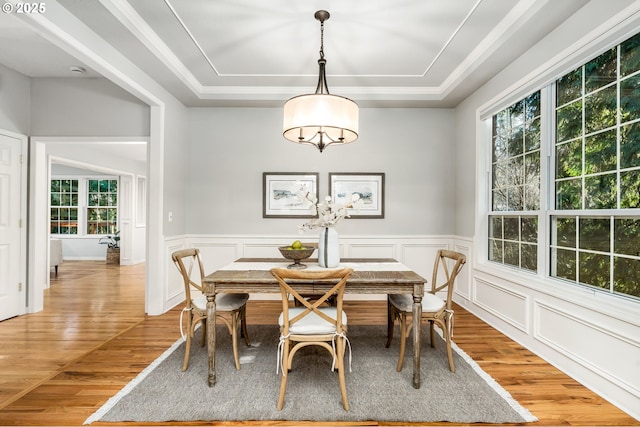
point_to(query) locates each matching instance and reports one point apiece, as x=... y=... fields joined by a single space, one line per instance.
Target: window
x=589 y=212
x=84 y=206
x=102 y=210
x=515 y=184
x=513 y=240
x=64 y=206
x=597 y=173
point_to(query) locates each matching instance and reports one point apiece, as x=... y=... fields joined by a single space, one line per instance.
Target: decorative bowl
x=296 y=255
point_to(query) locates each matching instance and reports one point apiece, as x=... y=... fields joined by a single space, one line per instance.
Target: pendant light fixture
x=321 y=119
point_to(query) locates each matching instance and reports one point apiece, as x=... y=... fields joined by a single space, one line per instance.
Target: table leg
x=211 y=337
x=417 y=339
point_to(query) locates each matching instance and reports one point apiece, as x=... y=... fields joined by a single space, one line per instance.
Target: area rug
x=162 y=392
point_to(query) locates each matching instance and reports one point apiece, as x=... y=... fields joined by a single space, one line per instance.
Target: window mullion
x=547 y=176
x=618 y=131
x=82 y=206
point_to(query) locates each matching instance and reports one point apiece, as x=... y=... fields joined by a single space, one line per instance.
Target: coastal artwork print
x=368 y=186
x=280 y=194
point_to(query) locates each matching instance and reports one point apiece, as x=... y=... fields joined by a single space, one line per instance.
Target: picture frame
x=279 y=190
x=370 y=187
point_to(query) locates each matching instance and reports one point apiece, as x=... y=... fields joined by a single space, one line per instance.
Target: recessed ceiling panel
x=381 y=38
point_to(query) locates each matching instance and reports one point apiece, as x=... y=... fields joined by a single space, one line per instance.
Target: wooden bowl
x=296 y=255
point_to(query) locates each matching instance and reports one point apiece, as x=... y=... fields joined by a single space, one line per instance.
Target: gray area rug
x=162 y=392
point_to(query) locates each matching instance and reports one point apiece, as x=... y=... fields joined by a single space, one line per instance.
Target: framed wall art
x=279 y=194
x=369 y=186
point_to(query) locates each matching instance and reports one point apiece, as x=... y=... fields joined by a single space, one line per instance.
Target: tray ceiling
x=257 y=53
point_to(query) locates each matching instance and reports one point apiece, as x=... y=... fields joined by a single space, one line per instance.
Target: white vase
x=328 y=248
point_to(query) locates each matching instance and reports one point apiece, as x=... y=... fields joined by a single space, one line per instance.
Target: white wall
x=593 y=337
x=229 y=149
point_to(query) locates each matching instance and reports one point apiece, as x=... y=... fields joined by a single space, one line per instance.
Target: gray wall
x=15 y=90
x=175 y=168
x=85 y=107
x=229 y=149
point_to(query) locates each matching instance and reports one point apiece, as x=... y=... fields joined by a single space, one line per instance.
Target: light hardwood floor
x=60 y=365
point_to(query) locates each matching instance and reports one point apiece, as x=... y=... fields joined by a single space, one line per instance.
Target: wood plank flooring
x=60 y=365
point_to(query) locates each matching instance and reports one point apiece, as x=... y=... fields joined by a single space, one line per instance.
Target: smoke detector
x=77 y=71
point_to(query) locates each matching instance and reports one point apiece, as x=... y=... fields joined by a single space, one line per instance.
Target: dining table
x=370 y=276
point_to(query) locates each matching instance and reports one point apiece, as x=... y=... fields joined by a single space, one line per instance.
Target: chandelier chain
x=321 y=39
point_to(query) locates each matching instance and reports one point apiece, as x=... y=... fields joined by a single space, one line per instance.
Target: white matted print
x=369 y=186
x=279 y=194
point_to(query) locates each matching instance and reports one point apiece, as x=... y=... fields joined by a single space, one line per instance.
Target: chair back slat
x=185 y=260
x=444 y=259
x=286 y=278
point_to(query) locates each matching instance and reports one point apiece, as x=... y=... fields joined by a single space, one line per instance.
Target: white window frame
x=87 y=207
x=78 y=207
x=83 y=194
x=543 y=79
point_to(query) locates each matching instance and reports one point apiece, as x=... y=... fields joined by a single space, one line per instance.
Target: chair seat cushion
x=312 y=324
x=224 y=302
x=404 y=302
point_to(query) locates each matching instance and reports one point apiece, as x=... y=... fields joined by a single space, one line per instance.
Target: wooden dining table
x=370 y=276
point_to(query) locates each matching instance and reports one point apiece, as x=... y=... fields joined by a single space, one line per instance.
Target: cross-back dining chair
x=312 y=323
x=435 y=310
x=231 y=309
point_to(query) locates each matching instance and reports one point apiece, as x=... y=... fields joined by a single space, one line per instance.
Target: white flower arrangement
x=329 y=213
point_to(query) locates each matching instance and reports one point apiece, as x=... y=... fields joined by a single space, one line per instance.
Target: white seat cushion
x=404 y=302
x=312 y=324
x=224 y=302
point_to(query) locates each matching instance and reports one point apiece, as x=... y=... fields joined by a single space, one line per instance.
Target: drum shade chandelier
x=321 y=119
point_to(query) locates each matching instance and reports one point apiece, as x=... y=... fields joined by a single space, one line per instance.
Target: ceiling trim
x=453 y=35
x=193 y=39
x=119 y=140
x=516 y=18
x=129 y=17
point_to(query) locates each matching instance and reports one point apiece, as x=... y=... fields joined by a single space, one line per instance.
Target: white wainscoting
x=416 y=252
x=462 y=290
x=591 y=336
x=602 y=346
x=501 y=301
x=174 y=287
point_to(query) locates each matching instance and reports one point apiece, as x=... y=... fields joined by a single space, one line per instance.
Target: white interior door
x=11 y=250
